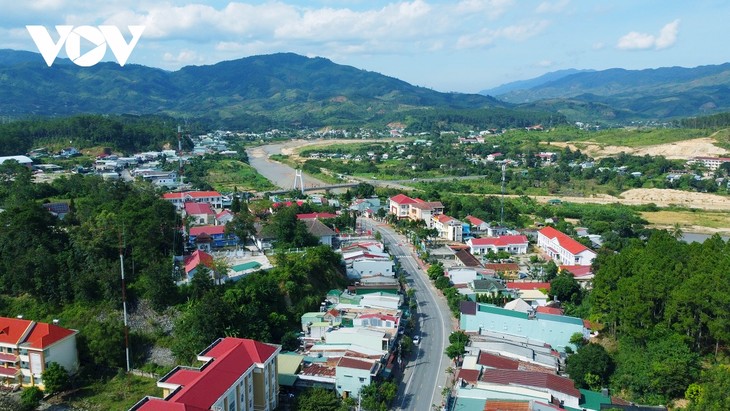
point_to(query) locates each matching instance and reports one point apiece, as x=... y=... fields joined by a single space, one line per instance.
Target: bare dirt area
x=660 y=197
x=680 y=150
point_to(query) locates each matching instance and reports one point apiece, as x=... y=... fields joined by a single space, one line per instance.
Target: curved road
x=425 y=374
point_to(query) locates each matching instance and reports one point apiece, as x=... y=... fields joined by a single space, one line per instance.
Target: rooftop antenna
x=501 y=217
x=179 y=158
x=124 y=299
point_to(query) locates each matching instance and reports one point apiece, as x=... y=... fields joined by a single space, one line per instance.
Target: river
x=699 y=238
x=279 y=174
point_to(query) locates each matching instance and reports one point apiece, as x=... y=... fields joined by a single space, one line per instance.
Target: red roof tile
x=531 y=379
x=502 y=241
x=500 y=267
x=506 y=405
x=497 y=361
x=402 y=199
x=549 y=310
x=208 y=229
x=9 y=372
x=348 y=362
x=11 y=329
x=45 y=335
x=564 y=240
x=473 y=220
x=471 y=376
x=578 y=270
x=197 y=258
x=198 y=208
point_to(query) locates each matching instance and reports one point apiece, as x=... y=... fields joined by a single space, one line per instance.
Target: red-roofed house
x=563 y=249
x=238 y=375
x=416 y=209
x=213 y=236
x=27 y=347
x=583 y=274
x=199 y=213
x=224 y=217
x=214 y=198
x=513 y=244
x=477 y=224
x=550 y=310
x=448 y=227
x=195 y=260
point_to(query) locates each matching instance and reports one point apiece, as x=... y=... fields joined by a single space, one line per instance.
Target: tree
x=565 y=288
x=377 y=396
x=290 y=341
x=55 y=378
x=435 y=271
x=31 y=397
x=711 y=392
x=593 y=360
x=317 y=399
x=236 y=204
x=242 y=226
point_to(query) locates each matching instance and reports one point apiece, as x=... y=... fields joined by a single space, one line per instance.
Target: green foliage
x=590 y=367
x=565 y=288
x=289 y=231
x=711 y=392
x=378 y=395
x=31 y=397
x=55 y=378
x=318 y=399
x=435 y=271
x=658 y=371
x=290 y=341
x=459 y=337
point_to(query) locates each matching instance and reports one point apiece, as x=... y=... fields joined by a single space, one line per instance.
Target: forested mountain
x=618 y=94
x=529 y=83
x=260 y=92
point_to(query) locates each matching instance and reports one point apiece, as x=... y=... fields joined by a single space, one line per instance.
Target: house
x=513 y=244
x=448 y=227
x=354 y=373
x=416 y=209
x=466 y=259
x=366 y=206
x=466 y=275
x=363 y=267
x=487 y=286
x=210 y=236
x=583 y=274
x=224 y=217
x=27 y=347
x=214 y=198
x=711 y=163
x=199 y=213
x=554 y=330
x=237 y=375
x=534 y=293
x=324 y=234
x=531 y=384
x=563 y=249
x=58 y=210
x=477 y=224
x=194 y=261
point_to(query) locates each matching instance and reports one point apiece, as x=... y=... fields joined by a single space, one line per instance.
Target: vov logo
x=100 y=37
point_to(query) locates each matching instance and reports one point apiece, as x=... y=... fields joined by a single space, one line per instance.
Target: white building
x=513 y=244
x=563 y=249
x=448 y=227
x=214 y=198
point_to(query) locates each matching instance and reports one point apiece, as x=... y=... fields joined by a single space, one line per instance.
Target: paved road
x=425 y=374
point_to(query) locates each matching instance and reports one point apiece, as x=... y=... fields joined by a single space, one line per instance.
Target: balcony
x=6 y=358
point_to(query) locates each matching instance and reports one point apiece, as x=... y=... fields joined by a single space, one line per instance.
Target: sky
x=462 y=46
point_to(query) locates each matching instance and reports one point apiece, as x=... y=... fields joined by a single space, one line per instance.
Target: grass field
x=227 y=174
x=641 y=137
x=690 y=220
x=117 y=394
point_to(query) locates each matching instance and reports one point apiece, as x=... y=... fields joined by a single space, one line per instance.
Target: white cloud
x=517 y=32
x=552 y=7
x=544 y=63
x=183 y=57
x=642 y=41
x=493 y=8
x=668 y=35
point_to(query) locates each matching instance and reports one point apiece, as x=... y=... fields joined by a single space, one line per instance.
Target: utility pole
x=124 y=301
x=501 y=217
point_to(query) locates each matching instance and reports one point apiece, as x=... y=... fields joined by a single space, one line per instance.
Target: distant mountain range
x=620 y=95
x=271 y=89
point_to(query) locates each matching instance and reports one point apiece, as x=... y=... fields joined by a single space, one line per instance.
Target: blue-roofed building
x=555 y=330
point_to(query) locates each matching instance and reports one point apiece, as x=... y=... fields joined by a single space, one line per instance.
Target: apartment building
x=563 y=249
x=237 y=375
x=28 y=347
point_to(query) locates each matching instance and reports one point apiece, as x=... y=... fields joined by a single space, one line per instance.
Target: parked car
x=416 y=339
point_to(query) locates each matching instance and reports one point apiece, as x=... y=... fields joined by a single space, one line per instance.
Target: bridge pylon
x=299 y=178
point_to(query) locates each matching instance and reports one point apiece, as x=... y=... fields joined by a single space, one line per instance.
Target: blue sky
x=464 y=46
